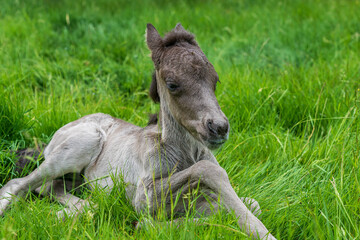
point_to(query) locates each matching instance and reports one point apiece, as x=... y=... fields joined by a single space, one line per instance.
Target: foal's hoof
x=252 y=205
x=4 y=204
x=143 y=223
x=65 y=213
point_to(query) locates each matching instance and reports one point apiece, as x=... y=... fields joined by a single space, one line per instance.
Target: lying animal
x=171 y=156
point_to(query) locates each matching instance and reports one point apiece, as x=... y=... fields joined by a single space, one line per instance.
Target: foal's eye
x=172 y=86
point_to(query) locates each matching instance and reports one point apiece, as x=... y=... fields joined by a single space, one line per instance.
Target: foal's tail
x=28 y=155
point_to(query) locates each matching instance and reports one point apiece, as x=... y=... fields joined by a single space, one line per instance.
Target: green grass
x=290 y=86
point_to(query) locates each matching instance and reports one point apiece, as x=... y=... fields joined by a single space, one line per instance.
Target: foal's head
x=184 y=83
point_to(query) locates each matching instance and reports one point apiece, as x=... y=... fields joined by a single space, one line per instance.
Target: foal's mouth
x=216 y=143
x=212 y=141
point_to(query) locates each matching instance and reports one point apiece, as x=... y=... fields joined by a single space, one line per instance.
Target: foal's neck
x=172 y=132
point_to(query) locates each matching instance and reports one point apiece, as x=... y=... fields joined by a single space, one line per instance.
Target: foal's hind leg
x=72 y=148
x=58 y=190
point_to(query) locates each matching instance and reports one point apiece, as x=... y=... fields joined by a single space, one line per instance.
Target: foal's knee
x=208 y=171
x=143 y=199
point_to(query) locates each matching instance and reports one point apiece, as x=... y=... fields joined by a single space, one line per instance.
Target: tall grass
x=290 y=86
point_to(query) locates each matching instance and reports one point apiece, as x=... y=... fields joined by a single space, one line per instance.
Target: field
x=290 y=86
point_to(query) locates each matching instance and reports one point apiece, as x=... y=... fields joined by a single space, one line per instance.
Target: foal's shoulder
x=152 y=132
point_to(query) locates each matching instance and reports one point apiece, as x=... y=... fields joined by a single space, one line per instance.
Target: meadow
x=290 y=86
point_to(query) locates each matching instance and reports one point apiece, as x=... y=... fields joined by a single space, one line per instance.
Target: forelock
x=174 y=37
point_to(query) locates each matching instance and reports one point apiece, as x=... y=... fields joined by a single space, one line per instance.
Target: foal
x=159 y=161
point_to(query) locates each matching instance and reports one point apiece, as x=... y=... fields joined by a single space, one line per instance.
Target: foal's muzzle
x=218 y=132
x=217 y=129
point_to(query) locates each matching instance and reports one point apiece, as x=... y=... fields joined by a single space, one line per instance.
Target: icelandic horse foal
x=171 y=156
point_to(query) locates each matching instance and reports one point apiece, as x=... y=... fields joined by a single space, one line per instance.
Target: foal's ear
x=179 y=27
x=153 y=39
x=155 y=43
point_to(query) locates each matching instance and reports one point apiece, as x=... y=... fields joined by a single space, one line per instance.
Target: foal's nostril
x=218 y=129
x=223 y=129
x=211 y=126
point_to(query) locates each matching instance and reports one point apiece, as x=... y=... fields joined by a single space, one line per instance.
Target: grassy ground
x=290 y=85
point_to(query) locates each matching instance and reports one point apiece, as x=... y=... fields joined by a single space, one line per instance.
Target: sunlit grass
x=290 y=86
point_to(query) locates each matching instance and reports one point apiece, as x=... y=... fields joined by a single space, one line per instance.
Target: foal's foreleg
x=213 y=177
x=252 y=204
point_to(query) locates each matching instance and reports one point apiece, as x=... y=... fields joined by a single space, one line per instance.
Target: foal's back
x=98 y=145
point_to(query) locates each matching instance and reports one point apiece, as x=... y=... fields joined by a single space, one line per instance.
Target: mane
x=153 y=93
x=153 y=119
x=176 y=36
